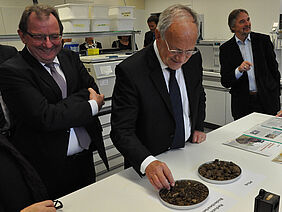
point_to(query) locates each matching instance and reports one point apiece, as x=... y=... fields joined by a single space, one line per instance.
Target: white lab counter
x=127 y=192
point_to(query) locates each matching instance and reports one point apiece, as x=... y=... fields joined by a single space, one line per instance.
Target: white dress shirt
x=185 y=103
x=73 y=146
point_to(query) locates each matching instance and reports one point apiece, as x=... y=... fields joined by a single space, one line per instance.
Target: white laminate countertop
x=127 y=192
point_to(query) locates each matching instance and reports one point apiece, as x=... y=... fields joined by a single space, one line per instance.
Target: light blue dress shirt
x=247 y=54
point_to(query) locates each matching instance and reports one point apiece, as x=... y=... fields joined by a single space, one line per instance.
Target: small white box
x=73 y=11
x=122 y=24
x=99 y=11
x=76 y=25
x=121 y=12
x=100 y=24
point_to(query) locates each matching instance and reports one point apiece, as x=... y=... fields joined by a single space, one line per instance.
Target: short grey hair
x=173 y=12
x=233 y=16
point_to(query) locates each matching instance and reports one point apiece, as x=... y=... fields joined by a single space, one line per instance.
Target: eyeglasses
x=187 y=53
x=42 y=37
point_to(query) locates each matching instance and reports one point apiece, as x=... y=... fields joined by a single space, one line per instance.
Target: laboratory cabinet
x=102 y=68
x=218 y=100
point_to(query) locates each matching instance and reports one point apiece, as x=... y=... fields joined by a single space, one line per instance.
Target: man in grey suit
x=159 y=101
x=53 y=104
x=249 y=68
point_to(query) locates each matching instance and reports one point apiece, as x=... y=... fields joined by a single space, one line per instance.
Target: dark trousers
x=254 y=105
x=77 y=172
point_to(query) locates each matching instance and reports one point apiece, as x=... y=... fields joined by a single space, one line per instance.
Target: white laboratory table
x=127 y=192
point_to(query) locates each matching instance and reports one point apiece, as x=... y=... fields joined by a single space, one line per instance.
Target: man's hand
x=99 y=98
x=159 y=175
x=279 y=114
x=198 y=137
x=245 y=66
x=45 y=206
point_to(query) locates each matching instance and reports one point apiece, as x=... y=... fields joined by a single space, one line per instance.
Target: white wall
x=263 y=14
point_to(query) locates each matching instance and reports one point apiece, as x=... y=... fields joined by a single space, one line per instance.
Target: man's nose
x=47 y=42
x=182 y=57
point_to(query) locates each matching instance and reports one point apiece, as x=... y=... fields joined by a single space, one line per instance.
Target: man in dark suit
x=6 y=52
x=249 y=68
x=149 y=115
x=53 y=103
x=152 y=22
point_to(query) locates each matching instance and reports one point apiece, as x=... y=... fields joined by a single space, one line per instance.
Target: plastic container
x=73 y=11
x=122 y=24
x=98 y=24
x=121 y=12
x=99 y=11
x=76 y=25
x=72 y=46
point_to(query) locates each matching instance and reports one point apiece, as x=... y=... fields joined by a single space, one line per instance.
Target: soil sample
x=219 y=170
x=185 y=193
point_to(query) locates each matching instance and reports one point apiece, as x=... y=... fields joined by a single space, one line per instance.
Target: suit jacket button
x=171 y=136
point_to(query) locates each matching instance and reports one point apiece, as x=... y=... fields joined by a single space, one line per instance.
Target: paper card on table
x=245 y=184
x=256 y=145
x=215 y=202
x=278 y=158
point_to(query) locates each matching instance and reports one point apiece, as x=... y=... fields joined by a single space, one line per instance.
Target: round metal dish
x=218 y=181
x=185 y=207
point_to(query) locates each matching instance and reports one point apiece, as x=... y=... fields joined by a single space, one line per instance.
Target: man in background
x=158 y=100
x=89 y=43
x=150 y=35
x=249 y=68
x=53 y=104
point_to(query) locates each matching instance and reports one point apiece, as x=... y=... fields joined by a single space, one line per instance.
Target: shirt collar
x=163 y=66
x=55 y=61
x=247 y=39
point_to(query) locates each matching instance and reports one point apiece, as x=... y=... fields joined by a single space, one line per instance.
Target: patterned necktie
x=175 y=97
x=81 y=133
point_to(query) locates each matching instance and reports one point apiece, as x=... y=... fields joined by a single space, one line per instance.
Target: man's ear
x=157 y=34
x=22 y=36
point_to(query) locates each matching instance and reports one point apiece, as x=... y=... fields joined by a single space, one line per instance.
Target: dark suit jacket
x=266 y=73
x=41 y=118
x=149 y=38
x=20 y=185
x=7 y=52
x=142 y=118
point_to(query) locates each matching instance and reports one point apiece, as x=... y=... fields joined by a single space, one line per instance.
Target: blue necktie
x=175 y=97
x=81 y=133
